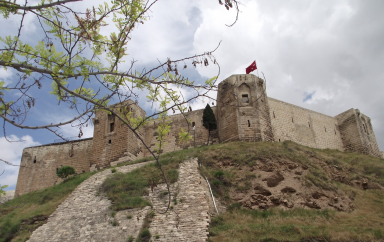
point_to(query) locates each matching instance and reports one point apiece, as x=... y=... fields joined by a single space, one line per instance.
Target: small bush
x=145 y=235
x=130 y=238
x=65 y=171
x=219 y=174
x=113 y=170
x=173 y=175
x=217 y=183
x=114 y=222
x=218 y=220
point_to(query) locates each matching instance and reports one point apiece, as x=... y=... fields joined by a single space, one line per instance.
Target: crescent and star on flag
x=251 y=68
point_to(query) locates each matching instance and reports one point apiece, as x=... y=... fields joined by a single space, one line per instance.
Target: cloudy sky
x=321 y=55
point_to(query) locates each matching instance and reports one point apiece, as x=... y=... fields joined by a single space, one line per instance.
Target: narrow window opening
x=274 y=115
x=279 y=140
x=57 y=169
x=111 y=127
x=325 y=129
x=292 y=119
x=109 y=141
x=249 y=124
x=309 y=124
x=245 y=98
x=193 y=124
x=34 y=160
x=335 y=131
x=365 y=130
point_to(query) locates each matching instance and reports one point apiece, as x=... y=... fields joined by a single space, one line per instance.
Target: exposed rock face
x=259 y=189
x=288 y=190
x=275 y=179
x=285 y=184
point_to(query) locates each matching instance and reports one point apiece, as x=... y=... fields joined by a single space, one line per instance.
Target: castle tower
x=112 y=139
x=243 y=110
x=357 y=132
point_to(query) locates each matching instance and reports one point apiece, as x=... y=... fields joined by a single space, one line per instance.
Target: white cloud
x=333 y=49
x=11 y=152
x=5 y=75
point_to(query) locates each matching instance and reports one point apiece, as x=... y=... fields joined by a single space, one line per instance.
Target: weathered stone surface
x=288 y=190
x=259 y=189
x=188 y=220
x=317 y=195
x=243 y=112
x=275 y=179
x=85 y=216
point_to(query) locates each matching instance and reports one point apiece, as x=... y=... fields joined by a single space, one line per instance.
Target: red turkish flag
x=251 y=68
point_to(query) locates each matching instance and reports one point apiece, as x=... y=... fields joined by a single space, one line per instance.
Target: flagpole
x=257 y=68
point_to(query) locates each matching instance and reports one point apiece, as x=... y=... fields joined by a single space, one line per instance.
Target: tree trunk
x=209 y=134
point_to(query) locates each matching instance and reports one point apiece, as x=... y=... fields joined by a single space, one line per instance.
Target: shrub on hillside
x=65 y=171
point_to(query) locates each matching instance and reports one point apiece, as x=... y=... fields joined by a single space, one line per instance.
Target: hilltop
x=265 y=192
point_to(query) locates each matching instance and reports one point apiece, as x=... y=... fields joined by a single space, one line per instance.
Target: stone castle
x=244 y=112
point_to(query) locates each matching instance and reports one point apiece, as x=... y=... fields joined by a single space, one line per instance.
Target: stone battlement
x=243 y=112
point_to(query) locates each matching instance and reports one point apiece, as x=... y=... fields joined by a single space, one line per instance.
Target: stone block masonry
x=39 y=164
x=243 y=112
x=86 y=216
x=303 y=126
x=188 y=220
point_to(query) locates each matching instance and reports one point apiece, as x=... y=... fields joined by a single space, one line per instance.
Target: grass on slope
x=366 y=222
x=17 y=224
x=127 y=190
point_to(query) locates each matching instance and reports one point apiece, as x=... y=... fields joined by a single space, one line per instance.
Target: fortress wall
x=178 y=122
x=243 y=109
x=351 y=136
x=368 y=136
x=304 y=126
x=38 y=164
x=357 y=132
x=227 y=111
x=112 y=139
x=248 y=121
x=264 y=113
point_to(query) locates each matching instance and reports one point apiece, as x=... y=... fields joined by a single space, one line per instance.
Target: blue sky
x=326 y=56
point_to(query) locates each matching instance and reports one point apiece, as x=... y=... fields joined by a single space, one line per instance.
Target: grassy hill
x=272 y=191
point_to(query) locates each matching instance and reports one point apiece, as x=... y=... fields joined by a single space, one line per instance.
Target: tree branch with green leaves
x=69 y=57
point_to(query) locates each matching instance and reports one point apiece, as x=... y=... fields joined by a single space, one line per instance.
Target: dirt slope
x=287 y=175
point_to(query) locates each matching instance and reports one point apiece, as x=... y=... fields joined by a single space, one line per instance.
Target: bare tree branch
x=8 y=4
